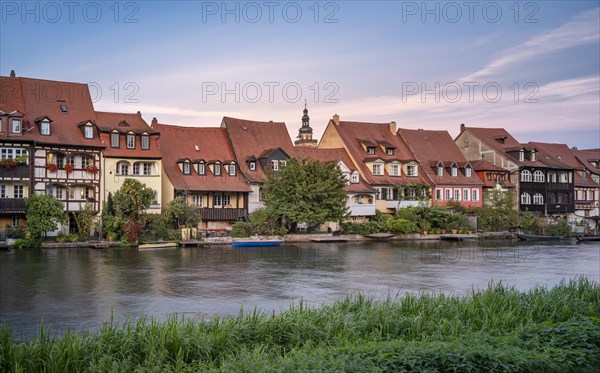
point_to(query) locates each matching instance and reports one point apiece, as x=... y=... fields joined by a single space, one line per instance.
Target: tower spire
x=305 y=132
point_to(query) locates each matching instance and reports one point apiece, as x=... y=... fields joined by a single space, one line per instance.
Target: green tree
x=179 y=213
x=44 y=213
x=307 y=191
x=85 y=220
x=130 y=201
x=497 y=212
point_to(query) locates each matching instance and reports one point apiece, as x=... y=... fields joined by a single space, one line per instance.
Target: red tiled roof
x=433 y=147
x=177 y=143
x=107 y=122
x=250 y=138
x=11 y=97
x=487 y=166
x=587 y=156
x=355 y=134
x=43 y=98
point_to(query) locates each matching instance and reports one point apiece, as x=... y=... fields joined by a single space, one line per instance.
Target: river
x=79 y=288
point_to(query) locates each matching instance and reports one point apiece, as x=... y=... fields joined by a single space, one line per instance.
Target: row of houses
x=53 y=141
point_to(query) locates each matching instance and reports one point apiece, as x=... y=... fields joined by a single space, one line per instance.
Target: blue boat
x=256 y=243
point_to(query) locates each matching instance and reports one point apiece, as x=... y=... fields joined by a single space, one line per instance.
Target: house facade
x=199 y=164
x=452 y=176
x=381 y=159
x=58 y=124
x=131 y=151
x=494 y=178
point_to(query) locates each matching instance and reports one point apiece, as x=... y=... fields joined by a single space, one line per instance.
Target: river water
x=79 y=288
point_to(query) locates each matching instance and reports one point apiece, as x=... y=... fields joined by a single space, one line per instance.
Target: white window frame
x=197 y=200
x=439 y=194
x=538 y=199
x=217 y=201
x=123 y=169
x=526 y=176
x=232 y=169
x=186 y=168
x=440 y=171
x=468 y=172
x=217 y=169
x=457 y=194
x=538 y=176
x=2 y=190
x=88 y=132
x=475 y=195
x=115 y=139
x=226 y=199
x=448 y=194
x=412 y=170
x=389 y=151
x=130 y=141
x=377 y=169
x=355 y=179
x=147 y=168
x=454 y=171
x=16 y=125
x=252 y=166
x=275 y=165
x=525 y=198
x=370 y=150
x=466 y=195
x=394 y=170
x=145 y=142
x=201 y=168
x=45 y=128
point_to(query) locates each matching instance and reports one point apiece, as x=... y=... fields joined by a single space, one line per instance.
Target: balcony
x=12 y=206
x=17 y=172
x=223 y=214
x=362 y=210
x=394 y=204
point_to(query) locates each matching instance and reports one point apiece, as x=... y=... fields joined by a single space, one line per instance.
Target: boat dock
x=329 y=239
x=458 y=237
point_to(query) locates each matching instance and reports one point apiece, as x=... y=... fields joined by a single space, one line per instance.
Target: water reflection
x=81 y=287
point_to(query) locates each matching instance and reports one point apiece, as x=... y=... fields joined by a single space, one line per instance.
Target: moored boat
x=587 y=238
x=255 y=243
x=380 y=236
x=158 y=245
x=536 y=237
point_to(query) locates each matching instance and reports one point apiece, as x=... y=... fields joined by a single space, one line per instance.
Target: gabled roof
x=180 y=143
x=556 y=156
x=108 y=123
x=250 y=138
x=586 y=156
x=487 y=166
x=433 y=148
x=43 y=98
x=355 y=134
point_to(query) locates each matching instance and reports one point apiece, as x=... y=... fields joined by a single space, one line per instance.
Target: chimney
x=12 y=73
x=336 y=119
x=462 y=127
x=139 y=113
x=154 y=121
x=393 y=127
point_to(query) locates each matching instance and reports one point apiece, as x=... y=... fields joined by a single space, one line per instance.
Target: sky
x=532 y=67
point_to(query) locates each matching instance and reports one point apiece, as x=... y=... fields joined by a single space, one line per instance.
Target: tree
x=179 y=213
x=85 y=220
x=307 y=191
x=44 y=212
x=497 y=212
x=130 y=201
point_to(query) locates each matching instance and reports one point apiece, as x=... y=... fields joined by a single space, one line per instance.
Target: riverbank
x=498 y=329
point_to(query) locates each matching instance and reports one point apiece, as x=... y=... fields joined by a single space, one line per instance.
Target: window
x=370 y=150
x=466 y=195
x=358 y=200
x=457 y=194
x=186 y=168
x=538 y=176
x=525 y=199
x=440 y=171
x=355 y=179
x=226 y=200
x=71 y=192
x=439 y=194
x=468 y=172
x=564 y=177
x=489 y=176
x=130 y=141
x=147 y=168
x=136 y=168
x=16 y=126
x=2 y=191
x=201 y=168
x=475 y=194
x=411 y=170
x=448 y=194
x=88 y=132
x=114 y=140
x=197 y=200
x=283 y=163
x=217 y=169
x=231 y=170
x=63 y=108
x=389 y=151
x=55 y=191
x=538 y=199
x=60 y=160
x=552 y=177
x=377 y=169
x=145 y=142
x=85 y=161
x=252 y=166
x=18 y=191
x=45 y=128
x=217 y=200
x=86 y=193
x=16 y=221
x=394 y=170
x=521 y=156
x=123 y=168
x=454 y=171
x=275 y=165
x=525 y=175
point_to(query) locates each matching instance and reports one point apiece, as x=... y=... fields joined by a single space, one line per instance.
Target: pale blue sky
x=374 y=58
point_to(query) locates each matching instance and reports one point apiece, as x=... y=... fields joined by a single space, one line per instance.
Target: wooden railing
x=227 y=214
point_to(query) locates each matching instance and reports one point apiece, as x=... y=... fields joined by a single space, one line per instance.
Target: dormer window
x=377 y=169
x=394 y=170
x=440 y=171
x=63 y=109
x=131 y=141
x=145 y=142
x=16 y=126
x=275 y=165
x=88 y=132
x=186 y=168
x=389 y=151
x=411 y=170
x=533 y=156
x=468 y=171
x=370 y=150
x=232 y=169
x=454 y=171
x=521 y=156
x=45 y=128
x=114 y=140
x=201 y=168
x=252 y=166
x=355 y=179
x=217 y=169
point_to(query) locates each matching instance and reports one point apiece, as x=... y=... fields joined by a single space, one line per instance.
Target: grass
x=498 y=329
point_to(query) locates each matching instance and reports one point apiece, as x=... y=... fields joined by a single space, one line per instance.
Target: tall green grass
x=499 y=328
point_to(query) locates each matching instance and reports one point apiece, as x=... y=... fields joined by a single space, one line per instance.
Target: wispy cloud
x=581 y=29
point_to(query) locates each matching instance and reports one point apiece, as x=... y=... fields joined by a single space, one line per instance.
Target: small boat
x=158 y=245
x=380 y=236
x=587 y=238
x=256 y=243
x=536 y=237
x=98 y=245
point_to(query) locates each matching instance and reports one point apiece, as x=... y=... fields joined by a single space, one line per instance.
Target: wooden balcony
x=21 y=172
x=12 y=206
x=223 y=214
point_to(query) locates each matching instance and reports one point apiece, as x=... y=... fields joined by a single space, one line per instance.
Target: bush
x=403 y=226
x=241 y=229
x=28 y=243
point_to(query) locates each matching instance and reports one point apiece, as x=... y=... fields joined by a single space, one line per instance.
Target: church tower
x=304 y=138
